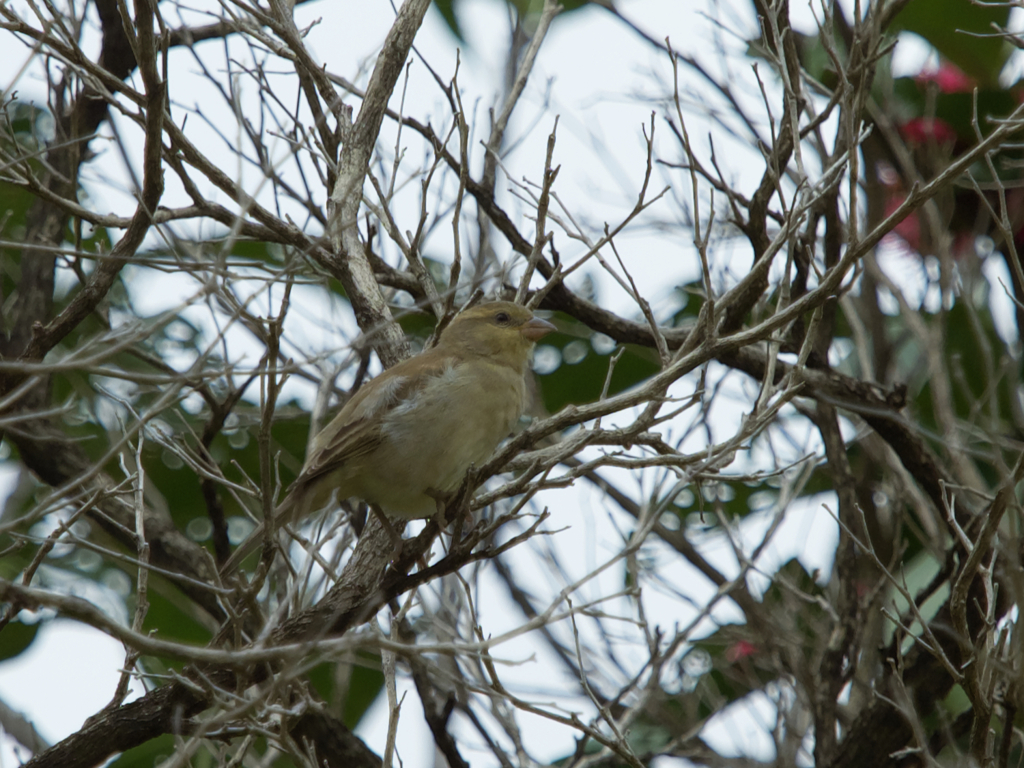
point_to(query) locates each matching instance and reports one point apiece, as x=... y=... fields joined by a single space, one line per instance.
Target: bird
x=407 y=438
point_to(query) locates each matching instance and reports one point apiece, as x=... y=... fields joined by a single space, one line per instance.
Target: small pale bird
x=408 y=437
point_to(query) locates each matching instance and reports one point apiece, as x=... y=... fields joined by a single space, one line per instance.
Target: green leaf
x=258 y=250
x=363 y=688
x=916 y=574
x=14 y=205
x=740 y=663
x=171 y=617
x=525 y=8
x=695 y=505
x=790 y=596
x=418 y=324
x=447 y=9
x=962 y=32
x=573 y=366
x=147 y=755
x=977 y=378
x=534 y=7
x=956 y=109
x=645 y=737
x=16 y=637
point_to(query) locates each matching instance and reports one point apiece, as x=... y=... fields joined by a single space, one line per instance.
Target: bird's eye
x=502 y=318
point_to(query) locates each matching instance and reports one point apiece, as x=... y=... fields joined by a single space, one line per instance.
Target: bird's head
x=498 y=329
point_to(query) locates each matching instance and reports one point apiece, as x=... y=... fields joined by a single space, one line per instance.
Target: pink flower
x=921 y=130
x=740 y=650
x=909 y=230
x=949 y=78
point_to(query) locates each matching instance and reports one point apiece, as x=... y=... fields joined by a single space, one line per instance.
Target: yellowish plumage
x=409 y=435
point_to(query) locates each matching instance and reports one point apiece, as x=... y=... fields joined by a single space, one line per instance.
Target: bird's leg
x=459 y=502
x=449 y=502
x=441 y=516
x=457 y=530
x=439 y=504
x=395 y=536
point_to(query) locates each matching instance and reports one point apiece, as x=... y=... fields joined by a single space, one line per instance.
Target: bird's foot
x=396 y=538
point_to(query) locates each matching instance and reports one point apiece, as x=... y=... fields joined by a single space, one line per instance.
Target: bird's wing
x=357 y=429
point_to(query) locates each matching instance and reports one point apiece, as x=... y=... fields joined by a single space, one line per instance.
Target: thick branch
x=349 y=258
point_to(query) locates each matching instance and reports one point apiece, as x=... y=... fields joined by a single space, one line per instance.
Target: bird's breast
x=455 y=420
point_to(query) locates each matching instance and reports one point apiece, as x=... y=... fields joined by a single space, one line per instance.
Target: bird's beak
x=535 y=328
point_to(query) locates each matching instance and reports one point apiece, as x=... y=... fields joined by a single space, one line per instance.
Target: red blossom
x=909 y=230
x=741 y=649
x=921 y=130
x=949 y=78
